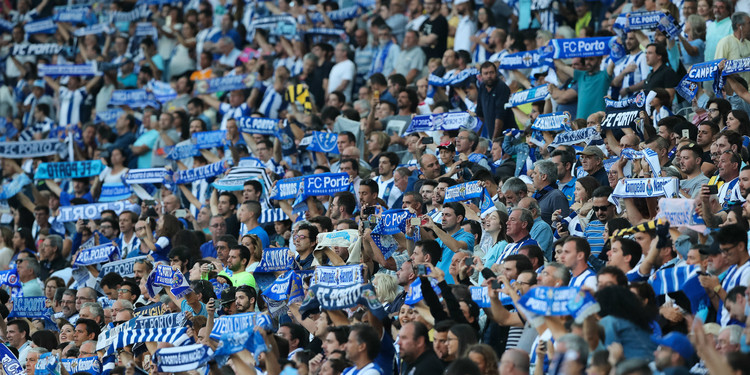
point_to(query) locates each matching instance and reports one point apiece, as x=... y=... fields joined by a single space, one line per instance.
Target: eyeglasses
x=124 y=290
x=218 y=225
x=300 y=237
x=600 y=208
x=106 y=227
x=712 y=110
x=84 y=299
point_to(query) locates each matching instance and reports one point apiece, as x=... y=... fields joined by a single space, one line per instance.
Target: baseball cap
x=448 y=146
x=592 y=151
x=679 y=343
x=710 y=249
x=228 y=296
x=39 y=83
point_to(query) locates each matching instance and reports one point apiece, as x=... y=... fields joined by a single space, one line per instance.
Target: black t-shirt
x=491 y=106
x=439 y=27
x=427 y=364
x=664 y=77
x=315 y=83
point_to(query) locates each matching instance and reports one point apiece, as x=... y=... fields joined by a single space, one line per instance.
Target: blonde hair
x=385 y=287
x=697 y=26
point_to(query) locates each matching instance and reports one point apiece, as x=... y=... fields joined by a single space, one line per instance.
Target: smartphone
x=685 y=133
x=469 y=261
x=422 y=270
x=415 y=221
x=369 y=210
x=150 y=202
x=146 y=360
x=169 y=20
x=496 y=284
x=181 y=213
x=427 y=141
x=376 y=94
x=713 y=189
x=487 y=273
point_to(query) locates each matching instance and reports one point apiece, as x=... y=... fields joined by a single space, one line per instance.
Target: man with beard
x=593 y=84
x=492 y=96
x=628 y=74
x=342 y=207
x=745 y=181
x=387 y=189
x=239 y=258
x=690 y=165
x=416 y=352
x=405 y=276
x=451 y=237
x=245 y=297
x=218 y=227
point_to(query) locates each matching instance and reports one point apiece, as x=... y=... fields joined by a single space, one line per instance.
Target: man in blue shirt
x=451 y=237
x=565 y=181
x=248 y=214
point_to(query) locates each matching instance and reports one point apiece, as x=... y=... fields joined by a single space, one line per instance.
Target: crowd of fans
x=454 y=281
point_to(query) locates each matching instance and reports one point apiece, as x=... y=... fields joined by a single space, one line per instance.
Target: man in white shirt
x=467 y=26
x=229 y=54
x=362 y=339
x=387 y=189
x=18 y=337
x=342 y=74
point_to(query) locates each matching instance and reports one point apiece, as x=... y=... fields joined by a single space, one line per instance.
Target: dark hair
x=325 y=222
x=661 y=51
x=447 y=180
x=602 y=192
x=312 y=230
x=298 y=332
x=444 y=326
x=535 y=252
x=45 y=339
x=630 y=247
x=732 y=235
x=370 y=184
x=22 y=325
x=355 y=164
x=232 y=198
x=744 y=120
x=565 y=158
x=340 y=332
x=733 y=293
x=432 y=248
x=457 y=208
x=111 y=280
x=347 y=200
x=367 y=335
x=734 y=138
x=398 y=79
x=463 y=366
x=91 y=326
x=620 y=277
x=255 y=184
x=582 y=244
x=724 y=108
x=620 y=302
x=523 y=263
x=135 y=289
x=244 y=252
x=349 y=135
x=466 y=335
x=378 y=79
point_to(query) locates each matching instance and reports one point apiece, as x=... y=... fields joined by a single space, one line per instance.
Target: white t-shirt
x=340 y=72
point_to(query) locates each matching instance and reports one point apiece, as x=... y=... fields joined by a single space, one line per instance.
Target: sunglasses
x=600 y=208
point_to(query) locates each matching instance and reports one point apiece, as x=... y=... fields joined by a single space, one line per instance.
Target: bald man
x=430 y=166
x=514 y=362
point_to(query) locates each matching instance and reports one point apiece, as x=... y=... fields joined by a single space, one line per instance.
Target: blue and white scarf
x=650 y=155
x=153 y=309
x=87 y=364
x=618 y=118
x=552 y=122
x=109 y=116
x=322 y=31
x=340 y=298
x=468 y=191
x=97 y=29
x=89 y=69
x=276 y=259
x=240 y=322
x=308 y=186
x=162 y=91
x=562 y=301
x=580 y=47
x=527 y=59
x=531 y=95
x=237 y=341
x=181 y=152
x=258 y=125
x=30 y=307
x=414 y=295
x=704 y=71
x=646 y=188
x=32 y=149
x=164 y=275
x=185 y=358
x=68 y=170
x=453 y=79
x=6 y=25
x=10 y=363
x=442 y=121
x=10 y=278
x=679 y=212
x=201 y=173
x=72 y=15
x=228 y=83
x=97 y=255
x=672 y=279
x=639 y=100
x=139 y=98
x=287 y=287
x=123 y=267
x=482 y=298
x=114 y=192
x=145 y=176
x=209 y=139
x=736 y=66
x=159 y=321
x=14 y=186
x=175 y=336
x=392 y=222
x=339 y=15
x=146 y=29
x=129 y=17
x=43 y=26
x=687 y=89
x=38 y=49
x=338 y=276
x=585 y=135
x=321 y=142
x=657 y=19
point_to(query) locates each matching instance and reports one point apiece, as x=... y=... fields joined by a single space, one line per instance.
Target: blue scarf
x=415 y=291
x=30 y=307
x=287 y=287
x=687 y=89
x=14 y=186
x=468 y=191
x=322 y=31
x=258 y=125
x=482 y=298
x=10 y=278
x=337 y=276
x=153 y=309
x=581 y=47
x=562 y=301
x=112 y=192
x=68 y=170
x=89 y=69
x=307 y=186
x=288 y=147
x=38 y=49
x=162 y=91
x=531 y=95
x=181 y=152
x=380 y=58
x=338 y=15
x=201 y=173
x=657 y=19
x=239 y=322
x=72 y=15
x=340 y=298
x=228 y=83
x=139 y=98
x=275 y=259
x=646 y=188
x=679 y=212
x=129 y=17
x=109 y=116
x=32 y=149
x=88 y=364
x=175 y=336
x=97 y=29
x=585 y=135
x=11 y=366
x=123 y=267
x=704 y=71
x=209 y=139
x=736 y=66
x=638 y=100
x=185 y=358
x=392 y=222
x=454 y=79
x=321 y=142
x=163 y=276
x=237 y=341
x=618 y=118
x=442 y=121
x=145 y=176
x=96 y=255
x=552 y=122
x=42 y=26
x=527 y=59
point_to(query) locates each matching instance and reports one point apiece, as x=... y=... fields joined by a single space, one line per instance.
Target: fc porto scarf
x=562 y=301
x=69 y=170
x=552 y=122
x=454 y=79
x=237 y=341
x=340 y=298
x=163 y=276
x=184 y=358
x=97 y=255
x=32 y=149
x=69 y=70
x=468 y=191
x=321 y=142
x=338 y=275
x=258 y=125
x=442 y=121
x=228 y=83
x=201 y=173
x=531 y=95
x=276 y=259
x=585 y=135
x=240 y=322
x=10 y=363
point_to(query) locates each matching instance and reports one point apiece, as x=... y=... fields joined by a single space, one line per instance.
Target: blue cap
x=679 y=343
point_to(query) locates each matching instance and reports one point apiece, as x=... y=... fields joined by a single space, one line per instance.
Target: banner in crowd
x=258 y=125
x=580 y=47
x=179 y=152
x=287 y=287
x=175 y=336
x=46 y=364
x=31 y=149
x=585 y=135
x=30 y=307
x=736 y=66
x=646 y=187
x=561 y=301
x=552 y=122
x=97 y=255
x=240 y=322
x=415 y=295
x=618 y=118
x=89 y=69
x=237 y=176
x=109 y=116
x=10 y=363
x=38 y=49
x=41 y=26
x=308 y=186
x=482 y=298
x=392 y=222
x=276 y=24
x=123 y=267
x=321 y=142
x=453 y=79
x=166 y=276
x=527 y=59
x=97 y=29
x=341 y=297
x=184 y=358
x=14 y=186
x=87 y=364
x=68 y=170
x=326 y=32
x=638 y=100
x=467 y=191
x=534 y=94
x=651 y=20
x=145 y=176
x=209 y=139
x=687 y=88
x=113 y=192
x=159 y=321
x=153 y=309
x=442 y=121
x=705 y=71
x=72 y=14
x=130 y=17
x=10 y=278
x=679 y=212
x=186 y=176
x=338 y=238
x=137 y=98
x=672 y=279
x=228 y=83
x=338 y=276
x=276 y=259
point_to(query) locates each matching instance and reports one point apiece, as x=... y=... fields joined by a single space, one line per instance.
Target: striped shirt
x=227 y=112
x=38 y=128
x=70 y=105
x=480 y=53
x=736 y=276
x=512 y=248
x=730 y=192
x=586 y=278
x=630 y=79
x=594 y=233
x=272 y=104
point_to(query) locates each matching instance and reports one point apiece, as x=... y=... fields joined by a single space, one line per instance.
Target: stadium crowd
x=376 y=187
